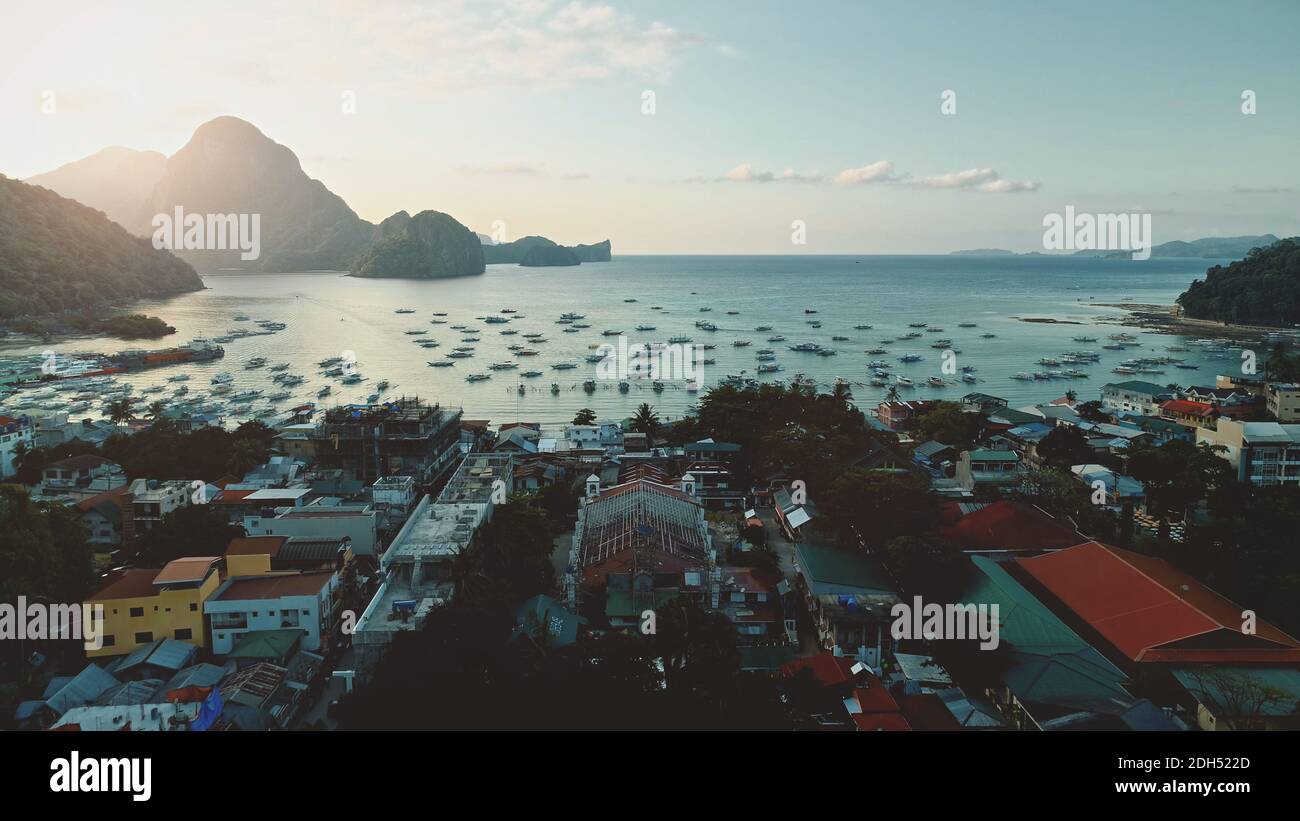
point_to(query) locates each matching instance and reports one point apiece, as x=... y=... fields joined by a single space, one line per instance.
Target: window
x=137 y=612
x=143 y=638
x=193 y=607
x=109 y=641
x=184 y=633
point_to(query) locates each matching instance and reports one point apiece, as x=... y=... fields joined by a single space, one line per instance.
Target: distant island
x=1262 y=289
x=429 y=245
x=534 y=251
x=57 y=255
x=1204 y=248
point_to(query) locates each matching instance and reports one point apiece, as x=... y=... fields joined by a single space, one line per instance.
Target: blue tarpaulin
x=208 y=711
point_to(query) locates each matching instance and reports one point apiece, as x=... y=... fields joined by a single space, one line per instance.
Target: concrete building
x=318 y=520
x=1283 y=401
x=152 y=500
x=15 y=431
x=276 y=601
x=143 y=605
x=978 y=469
x=1263 y=453
x=1135 y=395
x=405 y=437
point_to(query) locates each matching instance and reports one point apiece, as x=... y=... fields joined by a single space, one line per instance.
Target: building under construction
x=404 y=437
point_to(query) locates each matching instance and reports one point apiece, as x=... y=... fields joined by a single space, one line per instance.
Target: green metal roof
x=265 y=644
x=1137 y=386
x=1053 y=665
x=622 y=603
x=994 y=456
x=840 y=572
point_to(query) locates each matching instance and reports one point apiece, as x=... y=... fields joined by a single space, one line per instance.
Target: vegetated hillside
x=57 y=254
x=1262 y=289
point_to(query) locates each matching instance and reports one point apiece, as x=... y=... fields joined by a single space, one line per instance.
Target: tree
x=156 y=409
x=949 y=424
x=1071 y=395
x=119 y=411
x=876 y=507
x=926 y=566
x=1065 y=446
x=193 y=530
x=1238 y=699
x=586 y=416
x=892 y=394
x=1092 y=411
x=1177 y=475
x=646 y=420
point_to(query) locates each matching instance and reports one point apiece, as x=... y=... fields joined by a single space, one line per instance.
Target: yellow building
x=142 y=605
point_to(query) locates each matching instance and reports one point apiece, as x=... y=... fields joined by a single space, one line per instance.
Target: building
x=983 y=402
x=849 y=597
x=108 y=518
x=988 y=469
x=790 y=515
x=1151 y=613
x=153 y=500
x=78 y=472
x=1283 y=401
x=277 y=601
x=1190 y=413
x=16 y=432
x=900 y=414
x=142 y=606
x=416 y=569
x=1262 y=453
x=394 y=493
x=406 y=437
x=1135 y=395
x=644 y=543
x=1005 y=526
x=359 y=523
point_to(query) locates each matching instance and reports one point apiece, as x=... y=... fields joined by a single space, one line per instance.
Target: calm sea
x=328 y=314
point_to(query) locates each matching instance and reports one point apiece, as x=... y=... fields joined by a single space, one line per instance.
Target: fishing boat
x=563 y=366
x=762 y=328
x=222 y=379
x=777 y=338
x=589 y=386
x=352 y=379
x=769 y=367
x=903 y=381
x=741 y=343
x=254 y=363
x=936 y=382
x=530 y=374
x=555 y=388
x=441 y=364
x=941 y=343
x=502 y=366
x=610 y=332
x=624 y=387
x=478 y=377
x=645 y=327
x=404 y=311
x=911 y=357
x=323 y=392
x=968 y=379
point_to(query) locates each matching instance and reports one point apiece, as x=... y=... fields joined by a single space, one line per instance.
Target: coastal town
x=779 y=558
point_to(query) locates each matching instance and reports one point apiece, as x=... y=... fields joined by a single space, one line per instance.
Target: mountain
x=116 y=181
x=514 y=252
x=1213 y=247
x=983 y=252
x=1262 y=289
x=230 y=167
x=427 y=246
x=57 y=254
x=549 y=256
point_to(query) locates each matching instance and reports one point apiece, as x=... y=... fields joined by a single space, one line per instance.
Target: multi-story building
x=15 y=431
x=1283 y=401
x=152 y=500
x=357 y=522
x=979 y=469
x=406 y=437
x=1263 y=453
x=143 y=605
x=1190 y=413
x=1135 y=395
x=274 y=601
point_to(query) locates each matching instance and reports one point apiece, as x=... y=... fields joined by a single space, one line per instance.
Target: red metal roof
x=1143 y=606
x=1010 y=526
x=1186 y=407
x=889 y=722
x=826 y=668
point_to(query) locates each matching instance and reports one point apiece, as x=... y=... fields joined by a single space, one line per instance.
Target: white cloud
x=985 y=180
x=879 y=171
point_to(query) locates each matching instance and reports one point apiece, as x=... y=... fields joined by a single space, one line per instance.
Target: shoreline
x=1164 y=319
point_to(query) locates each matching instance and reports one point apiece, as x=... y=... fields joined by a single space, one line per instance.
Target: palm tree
x=892 y=394
x=646 y=420
x=1070 y=396
x=119 y=411
x=156 y=409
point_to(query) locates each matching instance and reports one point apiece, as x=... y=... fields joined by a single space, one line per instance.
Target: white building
x=1262 y=453
x=153 y=500
x=304 y=601
x=14 y=431
x=358 y=522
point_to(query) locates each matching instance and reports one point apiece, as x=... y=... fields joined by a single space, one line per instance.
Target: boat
x=572 y=316
x=222 y=379
x=352 y=379
x=624 y=387
x=809 y=311
x=777 y=338
x=563 y=366
x=769 y=367
x=254 y=363
x=323 y=392
x=936 y=382
x=967 y=325
x=1023 y=376
x=941 y=343
x=530 y=374
x=478 y=377
x=278 y=396
x=496 y=320
x=555 y=388
x=839 y=339
x=762 y=328
x=1084 y=338
x=610 y=332
x=383 y=385
x=904 y=381
x=183 y=377
x=916 y=324
x=441 y=364
x=333 y=360
x=502 y=366
x=861 y=327
x=404 y=311
x=657 y=386
x=693 y=387
x=741 y=343
x=805 y=347
x=280 y=366
x=596 y=357
x=968 y=379
x=679 y=340
x=645 y=327
x=241 y=318
x=911 y=357
x=460 y=354
x=987 y=336
x=589 y=386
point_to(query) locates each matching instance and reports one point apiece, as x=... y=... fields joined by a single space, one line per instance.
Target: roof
x=274 y=587
x=256 y=546
x=1186 y=407
x=126 y=584
x=1008 y=525
x=186 y=570
x=710 y=447
x=266 y=644
x=319 y=550
x=1142 y=605
x=840 y=572
x=827 y=668
x=1137 y=386
x=1052 y=665
x=642 y=517
x=545 y=612
x=930 y=448
x=167 y=653
x=86 y=461
x=83 y=688
x=981 y=455
x=926 y=711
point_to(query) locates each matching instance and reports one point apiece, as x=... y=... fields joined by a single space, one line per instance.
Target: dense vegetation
x=57 y=255
x=1262 y=289
x=430 y=244
x=123 y=326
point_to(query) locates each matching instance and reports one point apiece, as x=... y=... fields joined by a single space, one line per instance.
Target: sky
x=701 y=127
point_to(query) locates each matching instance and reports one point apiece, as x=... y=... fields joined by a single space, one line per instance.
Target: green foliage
x=1065 y=446
x=877 y=507
x=1263 y=288
x=194 y=530
x=586 y=416
x=948 y=423
x=58 y=255
x=645 y=420
x=43 y=550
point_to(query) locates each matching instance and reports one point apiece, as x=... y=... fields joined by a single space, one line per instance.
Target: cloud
x=747 y=173
x=879 y=171
x=505 y=169
x=985 y=180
